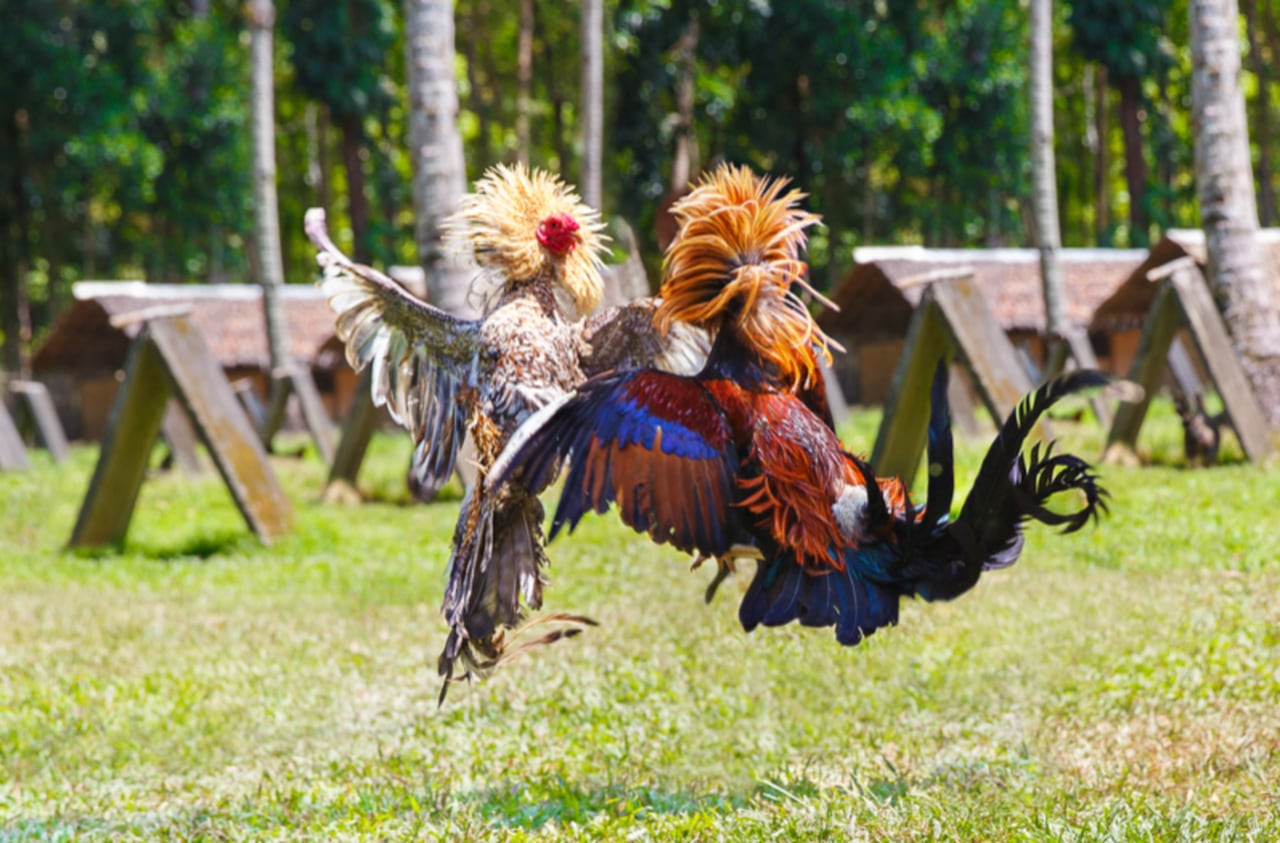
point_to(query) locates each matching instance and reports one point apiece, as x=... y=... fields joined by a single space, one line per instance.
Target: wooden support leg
x=1148 y=365
x=34 y=397
x=357 y=430
x=13 y=453
x=132 y=427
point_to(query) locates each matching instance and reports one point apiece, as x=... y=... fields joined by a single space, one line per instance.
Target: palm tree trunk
x=1135 y=160
x=1044 y=178
x=357 y=197
x=1261 y=52
x=592 y=100
x=1228 y=210
x=261 y=15
x=524 y=81
x=439 y=170
x=1102 y=160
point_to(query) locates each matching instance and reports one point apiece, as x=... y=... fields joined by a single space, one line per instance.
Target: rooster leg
x=726 y=566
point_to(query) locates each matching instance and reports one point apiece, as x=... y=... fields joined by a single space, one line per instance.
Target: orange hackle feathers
x=500 y=223
x=734 y=263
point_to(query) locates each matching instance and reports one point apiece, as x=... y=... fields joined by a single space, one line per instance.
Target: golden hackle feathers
x=734 y=263
x=497 y=224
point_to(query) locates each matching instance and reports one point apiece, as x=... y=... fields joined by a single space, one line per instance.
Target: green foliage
x=124 y=148
x=338 y=52
x=1115 y=684
x=1125 y=36
x=891 y=116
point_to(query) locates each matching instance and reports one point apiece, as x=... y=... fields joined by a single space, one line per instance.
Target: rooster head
x=521 y=224
x=735 y=264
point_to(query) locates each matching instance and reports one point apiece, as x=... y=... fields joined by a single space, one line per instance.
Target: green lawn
x=1119 y=684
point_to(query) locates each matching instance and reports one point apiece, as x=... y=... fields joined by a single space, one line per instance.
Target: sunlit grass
x=1120 y=683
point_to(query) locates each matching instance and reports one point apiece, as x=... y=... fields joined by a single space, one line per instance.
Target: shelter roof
x=228 y=315
x=1127 y=306
x=885 y=284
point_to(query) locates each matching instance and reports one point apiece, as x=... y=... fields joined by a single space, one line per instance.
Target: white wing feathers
x=419 y=355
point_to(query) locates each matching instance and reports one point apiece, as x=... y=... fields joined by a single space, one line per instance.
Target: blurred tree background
x=124 y=146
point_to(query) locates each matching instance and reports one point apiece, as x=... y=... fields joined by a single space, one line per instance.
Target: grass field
x=1118 y=684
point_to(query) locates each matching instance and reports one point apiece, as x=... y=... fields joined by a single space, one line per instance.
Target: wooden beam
x=34 y=397
x=1183 y=370
x=1183 y=294
x=13 y=452
x=1148 y=365
x=904 y=428
x=952 y=320
x=314 y=415
x=170 y=358
x=1077 y=341
x=1210 y=335
x=984 y=348
x=357 y=430
x=180 y=434
x=132 y=426
x=203 y=390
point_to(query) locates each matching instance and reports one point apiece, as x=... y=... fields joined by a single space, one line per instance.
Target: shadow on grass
x=183 y=548
x=532 y=805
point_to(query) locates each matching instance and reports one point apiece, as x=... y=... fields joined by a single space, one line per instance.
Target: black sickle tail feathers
x=1010 y=488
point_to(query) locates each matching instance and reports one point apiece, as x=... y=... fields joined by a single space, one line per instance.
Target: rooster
x=539 y=250
x=731 y=462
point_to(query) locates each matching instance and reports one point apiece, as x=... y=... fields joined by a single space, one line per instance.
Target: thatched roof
x=228 y=315
x=1127 y=307
x=877 y=296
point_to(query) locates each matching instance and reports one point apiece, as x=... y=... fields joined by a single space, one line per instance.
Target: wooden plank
x=13 y=452
x=1210 y=335
x=1162 y=322
x=313 y=413
x=1184 y=370
x=1081 y=350
x=225 y=430
x=835 y=396
x=963 y=403
x=181 y=436
x=983 y=347
x=39 y=406
x=904 y=428
x=357 y=430
x=249 y=400
x=132 y=426
x=273 y=415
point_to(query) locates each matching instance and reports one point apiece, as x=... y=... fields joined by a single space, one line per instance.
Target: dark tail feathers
x=1010 y=489
x=933 y=557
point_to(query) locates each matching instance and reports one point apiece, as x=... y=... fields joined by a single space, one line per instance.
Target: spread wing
x=658 y=444
x=420 y=356
x=623 y=337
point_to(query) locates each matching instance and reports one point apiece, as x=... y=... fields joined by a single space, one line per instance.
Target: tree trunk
x=524 y=81
x=1262 y=52
x=685 y=159
x=357 y=197
x=1135 y=159
x=1224 y=181
x=1102 y=159
x=262 y=15
x=316 y=119
x=13 y=297
x=476 y=85
x=439 y=170
x=1044 y=177
x=592 y=100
